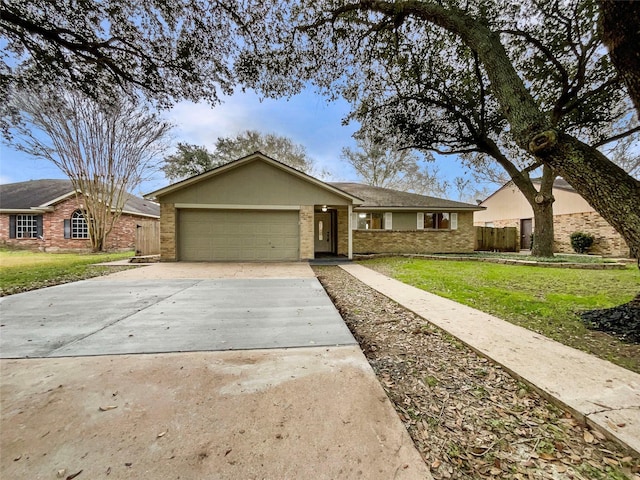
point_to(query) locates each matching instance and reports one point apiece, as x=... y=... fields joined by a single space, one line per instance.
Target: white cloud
x=306 y=118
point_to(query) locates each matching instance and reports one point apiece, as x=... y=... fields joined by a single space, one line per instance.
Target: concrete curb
x=599 y=393
x=504 y=261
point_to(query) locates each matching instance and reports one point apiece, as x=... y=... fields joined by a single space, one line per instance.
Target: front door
x=323 y=233
x=526 y=229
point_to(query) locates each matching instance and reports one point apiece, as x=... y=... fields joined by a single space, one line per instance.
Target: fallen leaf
x=610 y=461
x=588 y=437
x=162 y=434
x=612 y=425
x=108 y=407
x=71 y=477
x=61 y=472
x=435 y=464
x=17 y=458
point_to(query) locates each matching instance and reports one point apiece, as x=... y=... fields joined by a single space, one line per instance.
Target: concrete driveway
x=271 y=412
x=174 y=308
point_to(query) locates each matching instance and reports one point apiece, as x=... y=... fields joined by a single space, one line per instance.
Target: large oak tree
x=319 y=40
x=173 y=50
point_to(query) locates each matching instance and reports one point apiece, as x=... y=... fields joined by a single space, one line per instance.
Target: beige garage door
x=237 y=235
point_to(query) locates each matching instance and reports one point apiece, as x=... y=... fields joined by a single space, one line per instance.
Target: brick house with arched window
x=47 y=215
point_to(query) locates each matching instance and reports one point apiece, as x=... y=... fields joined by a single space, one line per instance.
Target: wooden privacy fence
x=148 y=238
x=496 y=239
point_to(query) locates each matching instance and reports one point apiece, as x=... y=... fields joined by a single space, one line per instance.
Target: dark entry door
x=526 y=229
x=323 y=233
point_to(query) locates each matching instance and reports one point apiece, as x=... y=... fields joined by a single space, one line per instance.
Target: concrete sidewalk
x=598 y=392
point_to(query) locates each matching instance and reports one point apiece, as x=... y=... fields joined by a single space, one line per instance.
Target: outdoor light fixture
x=324 y=208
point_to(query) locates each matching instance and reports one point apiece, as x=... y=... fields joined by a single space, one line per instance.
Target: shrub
x=581 y=242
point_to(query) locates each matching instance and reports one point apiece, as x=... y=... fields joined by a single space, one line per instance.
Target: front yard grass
x=545 y=300
x=22 y=270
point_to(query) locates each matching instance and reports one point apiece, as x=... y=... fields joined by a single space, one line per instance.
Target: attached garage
x=254 y=209
x=238 y=235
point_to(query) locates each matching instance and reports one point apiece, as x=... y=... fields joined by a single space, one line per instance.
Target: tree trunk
x=541 y=201
x=619 y=22
x=612 y=192
x=543 y=229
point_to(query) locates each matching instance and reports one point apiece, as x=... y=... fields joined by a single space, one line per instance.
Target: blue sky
x=307 y=119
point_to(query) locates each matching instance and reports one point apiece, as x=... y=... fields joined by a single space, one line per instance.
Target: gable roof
x=42 y=194
x=559 y=183
x=255 y=156
x=387 y=198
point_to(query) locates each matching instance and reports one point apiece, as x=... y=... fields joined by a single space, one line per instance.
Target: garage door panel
x=233 y=235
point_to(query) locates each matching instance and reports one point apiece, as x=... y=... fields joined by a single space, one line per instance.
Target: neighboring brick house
x=47 y=215
x=507 y=207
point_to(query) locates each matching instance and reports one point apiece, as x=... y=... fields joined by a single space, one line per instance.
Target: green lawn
x=22 y=270
x=546 y=300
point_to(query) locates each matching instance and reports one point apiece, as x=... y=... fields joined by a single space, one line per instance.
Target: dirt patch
x=468 y=418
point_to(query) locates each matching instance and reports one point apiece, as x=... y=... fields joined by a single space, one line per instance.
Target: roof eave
x=241 y=161
x=421 y=208
x=25 y=210
x=139 y=214
x=58 y=199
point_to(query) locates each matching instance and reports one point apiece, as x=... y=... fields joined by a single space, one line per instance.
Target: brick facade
x=343 y=231
x=607 y=241
x=121 y=238
x=168 y=219
x=306 y=222
x=460 y=240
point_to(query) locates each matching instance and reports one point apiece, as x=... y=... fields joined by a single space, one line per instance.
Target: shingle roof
x=35 y=193
x=376 y=197
x=559 y=182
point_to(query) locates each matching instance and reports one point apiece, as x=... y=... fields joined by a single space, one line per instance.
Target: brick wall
x=122 y=237
x=607 y=241
x=306 y=232
x=168 y=218
x=417 y=241
x=343 y=231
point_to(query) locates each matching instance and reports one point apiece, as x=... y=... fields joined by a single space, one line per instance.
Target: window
x=441 y=221
x=27 y=226
x=79 y=228
x=370 y=221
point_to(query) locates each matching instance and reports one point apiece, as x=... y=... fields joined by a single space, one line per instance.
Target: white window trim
x=453 y=221
x=26 y=223
x=420 y=221
x=388 y=221
x=78 y=225
x=354 y=221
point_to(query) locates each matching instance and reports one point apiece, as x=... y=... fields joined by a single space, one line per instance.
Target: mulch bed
x=622 y=322
x=468 y=417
